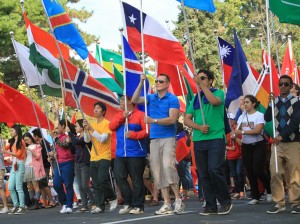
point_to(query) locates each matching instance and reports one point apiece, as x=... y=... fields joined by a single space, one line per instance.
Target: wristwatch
x=155 y=121
x=243 y=132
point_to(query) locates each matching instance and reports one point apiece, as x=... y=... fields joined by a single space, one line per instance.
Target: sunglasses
x=285 y=84
x=203 y=77
x=160 y=81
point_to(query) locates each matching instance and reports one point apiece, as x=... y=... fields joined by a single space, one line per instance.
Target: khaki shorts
x=162 y=160
x=2 y=174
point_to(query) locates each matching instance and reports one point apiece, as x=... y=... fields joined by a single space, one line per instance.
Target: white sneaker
x=13 y=211
x=126 y=209
x=253 y=202
x=75 y=205
x=178 y=206
x=97 y=210
x=63 y=209
x=164 y=210
x=204 y=204
x=69 y=211
x=136 y=211
x=4 y=210
x=113 y=204
x=269 y=198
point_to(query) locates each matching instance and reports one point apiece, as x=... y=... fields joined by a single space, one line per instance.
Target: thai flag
x=159 y=43
x=64 y=28
x=242 y=81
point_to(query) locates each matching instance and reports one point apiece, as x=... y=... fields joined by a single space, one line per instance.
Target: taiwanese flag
x=88 y=91
x=159 y=43
x=17 y=108
x=64 y=28
x=227 y=55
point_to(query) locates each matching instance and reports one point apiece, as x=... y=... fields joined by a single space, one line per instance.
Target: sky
x=107 y=18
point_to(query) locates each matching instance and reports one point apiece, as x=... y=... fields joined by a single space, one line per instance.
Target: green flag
x=107 y=56
x=288 y=11
x=119 y=77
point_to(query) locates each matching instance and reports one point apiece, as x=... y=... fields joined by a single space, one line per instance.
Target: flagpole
x=97 y=41
x=192 y=57
x=66 y=69
x=271 y=83
x=143 y=61
x=276 y=45
x=29 y=94
x=180 y=82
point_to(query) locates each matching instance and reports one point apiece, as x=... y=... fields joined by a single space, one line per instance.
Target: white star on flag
x=132 y=19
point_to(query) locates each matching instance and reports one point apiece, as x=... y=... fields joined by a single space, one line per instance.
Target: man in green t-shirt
x=209 y=142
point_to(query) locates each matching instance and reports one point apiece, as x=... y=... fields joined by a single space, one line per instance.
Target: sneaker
x=204 y=204
x=75 y=205
x=13 y=211
x=136 y=211
x=225 y=209
x=276 y=209
x=63 y=209
x=164 y=210
x=96 y=210
x=253 y=202
x=208 y=211
x=4 y=210
x=69 y=211
x=295 y=210
x=20 y=211
x=269 y=198
x=124 y=210
x=113 y=204
x=178 y=206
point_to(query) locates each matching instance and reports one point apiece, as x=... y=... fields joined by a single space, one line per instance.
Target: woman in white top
x=251 y=124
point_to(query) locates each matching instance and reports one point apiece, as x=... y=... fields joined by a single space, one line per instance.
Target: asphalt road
x=242 y=213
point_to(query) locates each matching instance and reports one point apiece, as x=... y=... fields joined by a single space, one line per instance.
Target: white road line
x=143 y=218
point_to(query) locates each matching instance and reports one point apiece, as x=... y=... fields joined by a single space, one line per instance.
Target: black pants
x=254 y=159
x=134 y=167
x=101 y=182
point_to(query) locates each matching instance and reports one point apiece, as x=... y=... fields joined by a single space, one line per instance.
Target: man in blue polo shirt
x=163 y=114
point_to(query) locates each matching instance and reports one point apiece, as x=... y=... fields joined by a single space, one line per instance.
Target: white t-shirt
x=249 y=122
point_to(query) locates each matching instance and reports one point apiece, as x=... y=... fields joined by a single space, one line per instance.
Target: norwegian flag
x=88 y=91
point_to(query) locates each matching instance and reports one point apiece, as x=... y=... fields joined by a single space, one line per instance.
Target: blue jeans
x=16 y=185
x=134 y=167
x=66 y=178
x=210 y=157
x=101 y=182
x=184 y=173
x=237 y=172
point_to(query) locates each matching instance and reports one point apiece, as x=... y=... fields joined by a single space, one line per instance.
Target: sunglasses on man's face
x=160 y=81
x=285 y=84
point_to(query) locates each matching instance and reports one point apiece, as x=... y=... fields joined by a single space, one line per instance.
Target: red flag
x=88 y=91
x=17 y=108
x=182 y=150
x=275 y=75
x=160 y=44
x=288 y=63
x=73 y=118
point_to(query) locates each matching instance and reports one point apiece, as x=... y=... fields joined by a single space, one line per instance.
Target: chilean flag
x=159 y=43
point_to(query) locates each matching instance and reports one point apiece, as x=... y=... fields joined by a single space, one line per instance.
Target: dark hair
x=36 y=132
x=209 y=74
x=80 y=122
x=253 y=100
x=286 y=77
x=71 y=126
x=11 y=141
x=28 y=135
x=102 y=105
x=167 y=77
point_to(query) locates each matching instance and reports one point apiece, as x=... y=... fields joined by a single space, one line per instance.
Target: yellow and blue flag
x=63 y=27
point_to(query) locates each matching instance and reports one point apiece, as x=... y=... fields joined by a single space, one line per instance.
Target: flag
x=288 y=11
x=109 y=57
x=288 y=66
x=17 y=108
x=242 y=81
x=88 y=91
x=133 y=70
x=63 y=27
x=182 y=150
x=205 y=5
x=74 y=118
x=159 y=43
x=103 y=76
x=189 y=75
x=226 y=54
